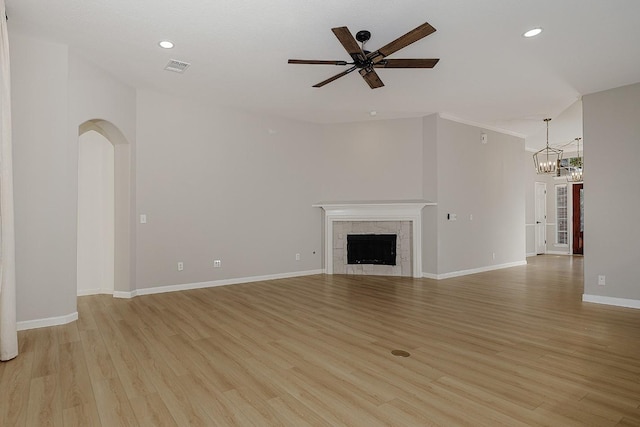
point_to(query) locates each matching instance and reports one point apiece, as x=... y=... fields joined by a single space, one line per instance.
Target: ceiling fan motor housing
x=363 y=36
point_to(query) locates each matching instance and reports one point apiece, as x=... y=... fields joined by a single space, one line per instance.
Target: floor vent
x=177 y=66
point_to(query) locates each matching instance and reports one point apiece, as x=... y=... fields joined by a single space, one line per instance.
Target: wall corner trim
x=49 y=321
x=96 y=291
x=619 y=302
x=124 y=294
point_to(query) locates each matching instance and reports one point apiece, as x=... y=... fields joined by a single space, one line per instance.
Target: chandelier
x=547 y=160
x=575 y=174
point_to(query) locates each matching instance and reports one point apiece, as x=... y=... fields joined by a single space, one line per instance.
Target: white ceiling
x=488 y=73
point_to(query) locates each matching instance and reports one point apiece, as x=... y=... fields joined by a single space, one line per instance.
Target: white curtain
x=8 y=332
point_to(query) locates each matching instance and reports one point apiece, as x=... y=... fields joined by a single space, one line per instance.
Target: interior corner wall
x=611 y=202
x=482 y=184
x=430 y=193
x=45 y=178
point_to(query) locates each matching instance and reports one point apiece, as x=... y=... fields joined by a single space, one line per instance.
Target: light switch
x=143 y=219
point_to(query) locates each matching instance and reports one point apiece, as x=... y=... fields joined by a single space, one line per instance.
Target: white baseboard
x=557 y=253
x=50 y=321
x=123 y=294
x=619 y=302
x=85 y=292
x=211 y=284
x=531 y=254
x=473 y=270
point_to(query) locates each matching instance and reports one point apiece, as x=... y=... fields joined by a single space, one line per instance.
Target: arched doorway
x=98 y=132
x=96 y=209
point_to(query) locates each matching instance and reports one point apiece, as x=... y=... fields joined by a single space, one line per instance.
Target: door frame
x=578 y=237
x=540 y=217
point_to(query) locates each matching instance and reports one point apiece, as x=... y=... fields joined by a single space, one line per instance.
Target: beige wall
x=611 y=182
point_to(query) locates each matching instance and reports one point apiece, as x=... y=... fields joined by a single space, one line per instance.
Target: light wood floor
x=510 y=347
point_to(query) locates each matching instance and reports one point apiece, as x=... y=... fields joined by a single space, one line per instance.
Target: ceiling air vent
x=177 y=66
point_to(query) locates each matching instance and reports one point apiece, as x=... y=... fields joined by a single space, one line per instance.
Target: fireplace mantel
x=392 y=210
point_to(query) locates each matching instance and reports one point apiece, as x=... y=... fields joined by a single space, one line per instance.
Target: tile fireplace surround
x=402 y=211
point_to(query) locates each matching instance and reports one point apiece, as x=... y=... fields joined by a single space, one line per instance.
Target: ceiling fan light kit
x=366 y=62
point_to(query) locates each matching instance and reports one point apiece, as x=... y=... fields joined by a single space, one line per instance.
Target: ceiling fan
x=365 y=61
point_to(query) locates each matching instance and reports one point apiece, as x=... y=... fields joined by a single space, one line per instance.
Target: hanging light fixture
x=576 y=169
x=547 y=160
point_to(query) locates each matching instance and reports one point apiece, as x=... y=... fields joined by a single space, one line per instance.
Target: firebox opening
x=377 y=249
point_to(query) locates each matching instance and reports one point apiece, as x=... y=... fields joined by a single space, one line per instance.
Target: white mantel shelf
x=383 y=210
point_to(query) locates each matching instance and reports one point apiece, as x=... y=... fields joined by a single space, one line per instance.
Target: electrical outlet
x=217 y=263
x=297 y=257
x=602 y=280
x=143 y=218
x=180 y=266
x=494 y=255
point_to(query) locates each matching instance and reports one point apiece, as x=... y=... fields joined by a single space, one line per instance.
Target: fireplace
x=402 y=217
x=369 y=237
x=376 y=249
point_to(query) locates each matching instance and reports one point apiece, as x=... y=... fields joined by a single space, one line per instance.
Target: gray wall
x=238 y=187
x=222 y=184
x=373 y=160
x=44 y=180
x=430 y=193
x=53 y=93
x=484 y=181
x=95 y=95
x=611 y=182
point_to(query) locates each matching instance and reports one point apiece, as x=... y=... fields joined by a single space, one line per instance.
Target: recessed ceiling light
x=165 y=44
x=373 y=113
x=532 y=32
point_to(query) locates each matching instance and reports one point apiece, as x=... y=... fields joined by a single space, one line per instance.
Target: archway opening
x=96 y=211
x=109 y=152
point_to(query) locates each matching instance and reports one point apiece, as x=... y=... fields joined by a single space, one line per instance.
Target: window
x=562 y=227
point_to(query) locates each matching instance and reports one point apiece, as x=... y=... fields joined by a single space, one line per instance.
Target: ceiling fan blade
x=336 y=77
x=407 y=63
x=316 y=62
x=371 y=77
x=403 y=41
x=348 y=42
